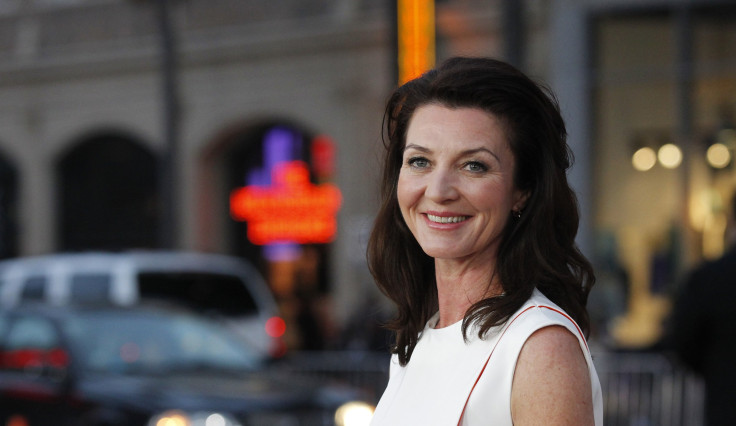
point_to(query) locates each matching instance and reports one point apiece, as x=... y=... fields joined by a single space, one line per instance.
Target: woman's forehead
x=437 y=127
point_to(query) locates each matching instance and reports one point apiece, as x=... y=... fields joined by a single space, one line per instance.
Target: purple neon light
x=280 y=145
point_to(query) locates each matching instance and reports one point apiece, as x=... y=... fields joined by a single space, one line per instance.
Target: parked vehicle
x=220 y=285
x=142 y=366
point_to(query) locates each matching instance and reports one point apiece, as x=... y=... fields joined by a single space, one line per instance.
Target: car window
x=155 y=344
x=34 y=288
x=31 y=332
x=3 y=325
x=31 y=343
x=90 y=287
x=218 y=293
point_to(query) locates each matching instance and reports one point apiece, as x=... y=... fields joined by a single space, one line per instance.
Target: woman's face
x=456 y=188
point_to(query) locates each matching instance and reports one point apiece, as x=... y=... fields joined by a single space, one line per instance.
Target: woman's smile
x=435 y=218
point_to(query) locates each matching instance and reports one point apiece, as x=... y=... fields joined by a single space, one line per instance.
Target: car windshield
x=152 y=343
x=222 y=293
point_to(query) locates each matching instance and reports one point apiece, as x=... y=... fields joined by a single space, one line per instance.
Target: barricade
x=639 y=389
x=648 y=389
x=367 y=371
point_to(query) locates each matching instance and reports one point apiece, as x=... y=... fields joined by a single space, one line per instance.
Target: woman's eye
x=418 y=162
x=476 y=167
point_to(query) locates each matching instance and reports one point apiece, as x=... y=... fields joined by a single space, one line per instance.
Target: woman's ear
x=520 y=200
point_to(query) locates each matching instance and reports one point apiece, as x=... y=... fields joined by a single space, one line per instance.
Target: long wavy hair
x=537 y=250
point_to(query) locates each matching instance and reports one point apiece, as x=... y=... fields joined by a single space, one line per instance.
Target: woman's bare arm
x=552 y=383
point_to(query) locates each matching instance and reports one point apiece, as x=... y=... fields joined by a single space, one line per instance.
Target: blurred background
x=129 y=124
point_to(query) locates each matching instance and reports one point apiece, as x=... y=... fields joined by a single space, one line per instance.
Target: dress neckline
x=434 y=319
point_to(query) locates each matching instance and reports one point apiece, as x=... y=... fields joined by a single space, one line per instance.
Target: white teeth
x=443 y=219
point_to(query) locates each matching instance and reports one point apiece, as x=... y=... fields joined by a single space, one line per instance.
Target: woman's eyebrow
x=481 y=149
x=417 y=147
x=464 y=153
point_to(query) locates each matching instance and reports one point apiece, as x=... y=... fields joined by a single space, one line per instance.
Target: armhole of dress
x=582 y=338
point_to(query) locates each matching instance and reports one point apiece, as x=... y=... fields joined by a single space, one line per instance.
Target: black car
x=106 y=366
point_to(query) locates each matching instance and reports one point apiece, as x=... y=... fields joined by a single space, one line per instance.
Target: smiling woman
x=456 y=184
x=475 y=244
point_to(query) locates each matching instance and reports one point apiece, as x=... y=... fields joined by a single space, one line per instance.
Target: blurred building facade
x=662 y=81
x=84 y=140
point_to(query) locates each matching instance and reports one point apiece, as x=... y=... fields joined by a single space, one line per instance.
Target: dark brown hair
x=537 y=250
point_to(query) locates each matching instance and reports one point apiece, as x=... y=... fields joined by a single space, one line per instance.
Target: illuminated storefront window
x=665 y=107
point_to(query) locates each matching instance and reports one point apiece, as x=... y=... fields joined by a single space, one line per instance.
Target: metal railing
x=639 y=389
x=366 y=371
x=648 y=389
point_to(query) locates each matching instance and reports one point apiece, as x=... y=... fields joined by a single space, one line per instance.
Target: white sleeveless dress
x=433 y=388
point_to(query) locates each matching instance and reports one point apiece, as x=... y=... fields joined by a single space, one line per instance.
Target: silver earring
x=516 y=213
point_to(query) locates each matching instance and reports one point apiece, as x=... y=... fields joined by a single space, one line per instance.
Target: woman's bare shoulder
x=551 y=383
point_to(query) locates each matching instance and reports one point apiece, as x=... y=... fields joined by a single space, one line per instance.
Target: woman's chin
x=444 y=253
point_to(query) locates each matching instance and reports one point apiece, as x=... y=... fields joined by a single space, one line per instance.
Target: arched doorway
x=107 y=195
x=288 y=168
x=8 y=209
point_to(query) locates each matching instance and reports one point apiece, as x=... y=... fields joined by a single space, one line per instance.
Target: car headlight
x=354 y=413
x=180 y=418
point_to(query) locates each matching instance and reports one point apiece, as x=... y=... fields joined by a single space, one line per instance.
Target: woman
x=475 y=244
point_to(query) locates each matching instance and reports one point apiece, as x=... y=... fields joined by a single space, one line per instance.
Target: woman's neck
x=462 y=284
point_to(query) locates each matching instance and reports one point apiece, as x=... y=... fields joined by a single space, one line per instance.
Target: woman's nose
x=441 y=186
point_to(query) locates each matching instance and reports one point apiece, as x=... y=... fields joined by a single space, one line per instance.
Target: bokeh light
x=644 y=159
x=670 y=156
x=275 y=327
x=718 y=155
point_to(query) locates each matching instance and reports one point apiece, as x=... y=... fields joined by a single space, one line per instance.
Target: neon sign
x=291 y=209
x=416 y=38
